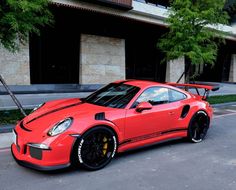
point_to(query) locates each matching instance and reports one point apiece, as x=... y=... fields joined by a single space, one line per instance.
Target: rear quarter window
x=176 y=95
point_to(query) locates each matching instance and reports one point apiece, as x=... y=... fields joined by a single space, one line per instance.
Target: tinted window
x=155 y=96
x=176 y=96
x=113 y=95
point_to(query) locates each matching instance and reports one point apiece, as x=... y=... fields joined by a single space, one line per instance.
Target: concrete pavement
x=174 y=165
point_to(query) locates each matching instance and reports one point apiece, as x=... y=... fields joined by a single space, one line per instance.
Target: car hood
x=55 y=111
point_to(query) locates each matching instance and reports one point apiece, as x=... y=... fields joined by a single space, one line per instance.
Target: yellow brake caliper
x=105 y=146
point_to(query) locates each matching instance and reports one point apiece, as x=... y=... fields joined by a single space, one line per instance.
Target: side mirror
x=143 y=106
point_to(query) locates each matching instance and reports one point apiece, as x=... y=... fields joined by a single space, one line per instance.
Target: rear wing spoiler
x=206 y=87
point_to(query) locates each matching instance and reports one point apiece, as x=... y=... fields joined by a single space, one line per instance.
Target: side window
x=154 y=95
x=176 y=96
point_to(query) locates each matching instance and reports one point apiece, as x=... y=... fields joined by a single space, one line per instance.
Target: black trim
x=100 y=116
x=38 y=167
x=36 y=153
x=53 y=111
x=185 y=111
x=123 y=82
x=151 y=135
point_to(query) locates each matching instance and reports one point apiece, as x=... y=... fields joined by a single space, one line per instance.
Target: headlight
x=60 y=127
x=37 y=107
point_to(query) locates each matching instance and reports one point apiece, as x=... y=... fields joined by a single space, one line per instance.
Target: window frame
x=99 y=91
x=168 y=88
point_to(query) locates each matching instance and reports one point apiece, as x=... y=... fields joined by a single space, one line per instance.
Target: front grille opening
x=36 y=153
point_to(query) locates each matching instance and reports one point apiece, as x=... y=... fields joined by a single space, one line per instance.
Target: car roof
x=140 y=83
x=145 y=84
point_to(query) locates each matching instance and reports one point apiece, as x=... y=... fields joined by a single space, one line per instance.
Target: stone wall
x=102 y=59
x=174 y=70
x=232 y=74
x=14 y=67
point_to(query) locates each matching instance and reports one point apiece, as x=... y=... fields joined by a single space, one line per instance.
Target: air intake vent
x=185 y=111
x=100 y=116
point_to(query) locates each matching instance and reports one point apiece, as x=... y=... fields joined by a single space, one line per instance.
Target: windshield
x=113 y=95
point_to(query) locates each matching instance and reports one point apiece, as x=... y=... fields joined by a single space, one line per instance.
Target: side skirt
x=151 y=138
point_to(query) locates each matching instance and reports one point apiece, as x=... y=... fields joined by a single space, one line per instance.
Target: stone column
x=14 y=67
x=174 y=70
x=102 y=59
x=232 y=72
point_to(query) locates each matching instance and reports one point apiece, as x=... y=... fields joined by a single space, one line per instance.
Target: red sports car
x=120 y=116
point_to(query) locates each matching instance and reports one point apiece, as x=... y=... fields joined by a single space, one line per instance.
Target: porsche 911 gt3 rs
x=120 y=116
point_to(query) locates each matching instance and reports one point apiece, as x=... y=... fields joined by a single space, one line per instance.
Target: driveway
x=177 y=165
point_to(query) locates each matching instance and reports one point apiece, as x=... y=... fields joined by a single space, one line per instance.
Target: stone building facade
x=102 y=59
x=107 y=52
x=15 y=67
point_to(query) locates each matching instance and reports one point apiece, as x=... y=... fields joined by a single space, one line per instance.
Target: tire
x=95 y=149
x=198 y=127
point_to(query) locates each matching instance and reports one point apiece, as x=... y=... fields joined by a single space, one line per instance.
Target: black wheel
x=96 y=148
x=198 y=127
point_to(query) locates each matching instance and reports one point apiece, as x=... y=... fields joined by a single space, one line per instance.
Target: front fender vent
x=100 y=116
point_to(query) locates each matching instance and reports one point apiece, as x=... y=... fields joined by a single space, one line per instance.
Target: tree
x=19 y=18
x=193 y=32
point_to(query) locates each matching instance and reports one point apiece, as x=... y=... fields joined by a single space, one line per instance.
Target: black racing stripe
x=53 y=111
x=23 y=127
x=151 y=135
x=174 y=130
x=125 y=142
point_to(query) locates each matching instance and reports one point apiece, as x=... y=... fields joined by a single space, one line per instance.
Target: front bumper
x=38 y=167
x=57 y=157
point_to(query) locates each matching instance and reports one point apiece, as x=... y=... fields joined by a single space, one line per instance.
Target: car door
x=149 y=123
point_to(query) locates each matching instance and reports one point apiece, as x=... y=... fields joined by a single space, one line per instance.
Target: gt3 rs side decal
x=53 y=111
x=115 y=147
x=152 y=135
x=79 y=151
